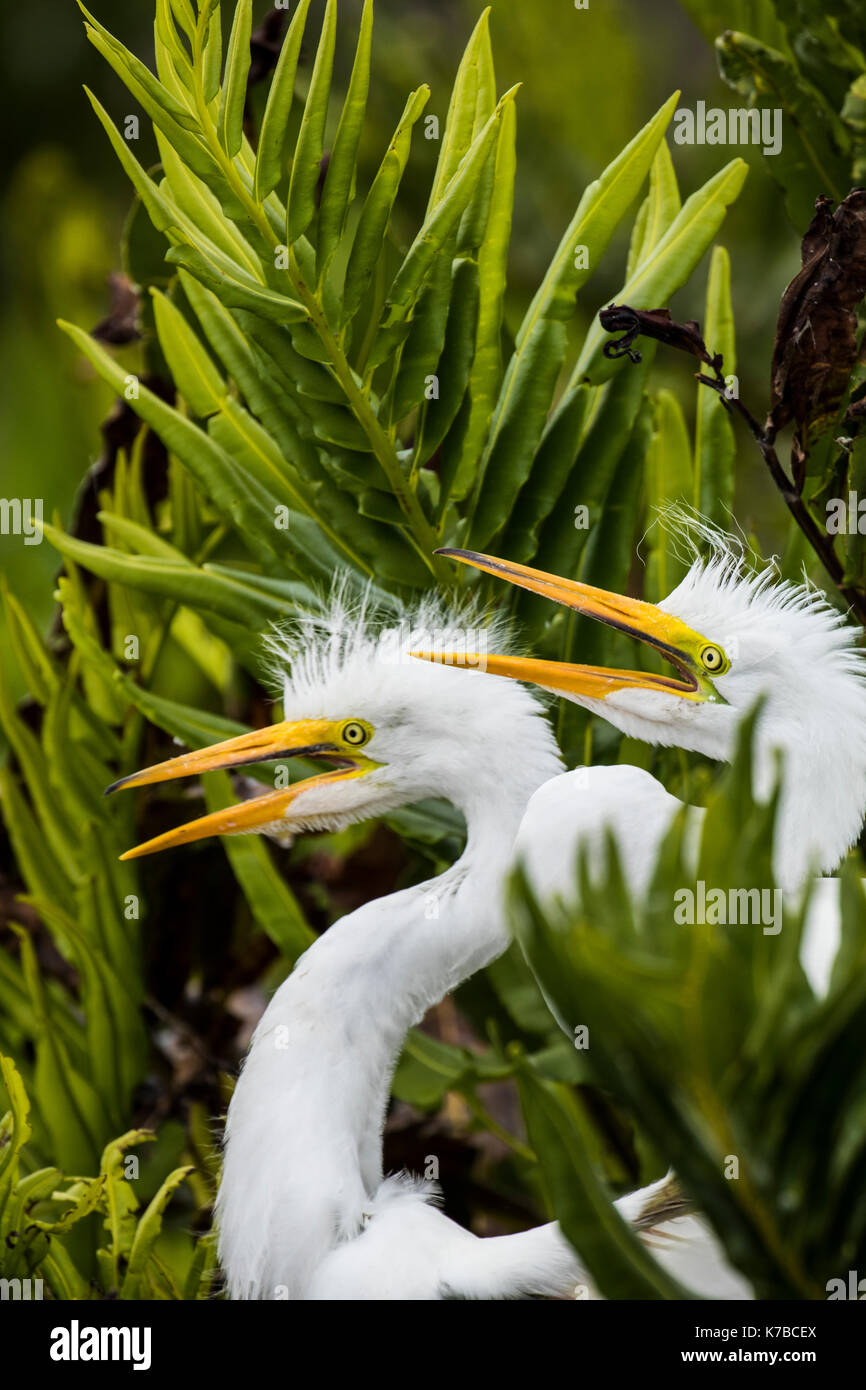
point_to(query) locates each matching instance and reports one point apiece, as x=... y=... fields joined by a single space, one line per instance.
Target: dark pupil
x=353 y=733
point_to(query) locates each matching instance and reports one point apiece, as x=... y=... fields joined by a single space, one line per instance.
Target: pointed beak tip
x=130 y=780
x=137 y=852
x=453 y=552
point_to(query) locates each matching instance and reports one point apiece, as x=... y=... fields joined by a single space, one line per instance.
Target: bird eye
x=354 y=733
x=713 y=659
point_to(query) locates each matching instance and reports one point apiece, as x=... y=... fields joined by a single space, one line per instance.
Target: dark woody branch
x=658 y=325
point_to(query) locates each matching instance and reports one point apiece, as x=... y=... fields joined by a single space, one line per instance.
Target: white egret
x=304 y=1209
x=732 y=636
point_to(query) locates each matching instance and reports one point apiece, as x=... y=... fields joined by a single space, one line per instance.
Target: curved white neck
x=308 y=1111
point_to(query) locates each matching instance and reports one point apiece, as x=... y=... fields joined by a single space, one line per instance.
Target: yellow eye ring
x=713 y=659
x=354 y=733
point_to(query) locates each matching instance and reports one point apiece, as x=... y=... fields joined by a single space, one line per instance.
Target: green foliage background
x=127 y=998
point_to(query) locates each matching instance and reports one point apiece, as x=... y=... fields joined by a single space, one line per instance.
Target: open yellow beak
x=668 y=635
x=315 y=738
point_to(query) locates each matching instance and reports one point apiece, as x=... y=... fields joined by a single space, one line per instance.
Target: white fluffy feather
x=304 y=1210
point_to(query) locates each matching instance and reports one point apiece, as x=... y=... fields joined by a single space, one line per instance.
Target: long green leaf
x=174 y=120
x=376 y=212
x=72 y=1110
x=40 y=867
x=132 y=71
x=234 y=286
x=147 y=1233
x=540 y=346
x=460 y=123
x=194 y=373
x=231 y=116
x=455 y=362
x=56 y=827
x=178 y=580
x=581 y=477
x=670 y=481
x=32 y=659
x=437 y=227
x=272 y=154
x=237 y=496
x=271 y=901
x=662 y=205
x=192 y=197
x=16 y=1128
x=473 y=223
x=715 y=446
x=486 y=370
x=160 y=209
x=307 y=162
x=173 y=65
x=340 y=177
x=620 y=1263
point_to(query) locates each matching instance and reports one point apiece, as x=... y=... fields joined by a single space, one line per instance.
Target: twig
x=686 y=337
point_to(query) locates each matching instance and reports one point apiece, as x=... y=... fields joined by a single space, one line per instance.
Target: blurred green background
x=65 y=198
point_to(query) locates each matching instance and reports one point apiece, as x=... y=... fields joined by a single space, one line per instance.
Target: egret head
x=395 y=730
x=730 y=636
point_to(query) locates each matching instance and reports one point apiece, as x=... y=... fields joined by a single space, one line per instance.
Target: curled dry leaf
x=816 y=346
x=651 y=323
